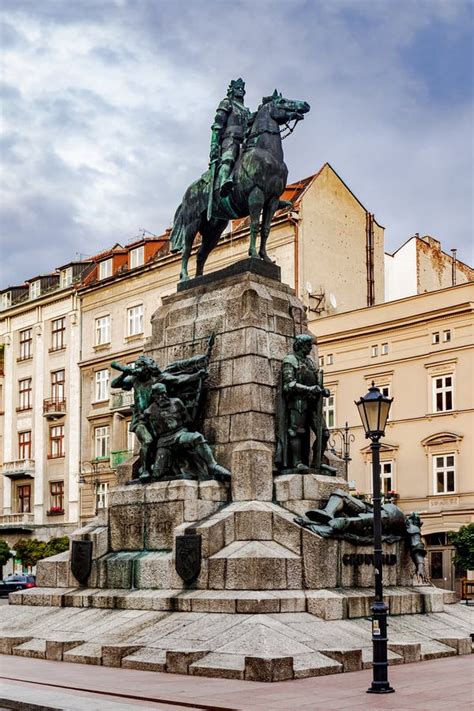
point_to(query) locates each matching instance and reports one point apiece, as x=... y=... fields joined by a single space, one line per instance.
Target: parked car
x=16 y=582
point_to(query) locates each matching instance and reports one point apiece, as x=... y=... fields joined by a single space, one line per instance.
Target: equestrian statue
x=246 y=175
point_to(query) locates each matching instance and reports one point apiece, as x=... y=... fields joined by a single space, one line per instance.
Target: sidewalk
x=431 y=685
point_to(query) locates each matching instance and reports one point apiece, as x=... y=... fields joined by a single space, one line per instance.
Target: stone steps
x=259 y=647
x=334 y=604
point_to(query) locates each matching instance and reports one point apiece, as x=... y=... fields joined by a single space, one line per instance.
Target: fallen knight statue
x=348 y=518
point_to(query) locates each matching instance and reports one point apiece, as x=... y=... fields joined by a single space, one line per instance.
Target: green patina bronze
x=299 y=412
x=246 y=176
x=350 y=519
x=166 y=414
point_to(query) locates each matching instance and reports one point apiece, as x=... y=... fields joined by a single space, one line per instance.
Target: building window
x=374 y=351
x=58 y=330
x=137 y=257
x=329 y=359
x=35 y=289
x=24 y=498
x=135 y=320
x=105 y=269
x=384 y=349
x=101 y=495
x=25 y=392
x=102 y=330
x=435 y=338
x=58 y=379
x=101 y=442
x=386 y=473
x=56 y=441
x=442 y=393
x=447 y=336
x=56 y=496
x=321 y=361
x=444 y=473
x=329 y=410
x=101 y=385
x=65 y=277
x=6 y=300
x=24 y=445
x=26 y=342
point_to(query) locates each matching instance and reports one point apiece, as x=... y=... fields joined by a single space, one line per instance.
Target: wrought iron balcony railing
x=54 y=407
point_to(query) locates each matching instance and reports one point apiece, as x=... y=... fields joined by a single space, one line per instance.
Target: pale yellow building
x=418 y=350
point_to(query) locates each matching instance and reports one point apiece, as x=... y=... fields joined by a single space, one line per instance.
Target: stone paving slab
x=431 y=686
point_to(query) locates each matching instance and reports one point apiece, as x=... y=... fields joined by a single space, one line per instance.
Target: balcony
x=17 y=522
x=54 y=408
x=19 y=468
x=121 y=401
x=119 y=457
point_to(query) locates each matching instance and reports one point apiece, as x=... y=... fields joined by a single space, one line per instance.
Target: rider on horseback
x=228 y=132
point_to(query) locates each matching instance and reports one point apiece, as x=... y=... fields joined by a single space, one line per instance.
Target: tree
x=56 y=545
x=463 y=542
x=5 y=555
x=31 y=550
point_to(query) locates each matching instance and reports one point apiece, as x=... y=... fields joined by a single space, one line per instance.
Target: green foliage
x=463 y=542
x=56 y=545
x=5 y=553
x=31 y=550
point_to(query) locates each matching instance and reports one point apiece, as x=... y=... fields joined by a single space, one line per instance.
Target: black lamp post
x=373 y=410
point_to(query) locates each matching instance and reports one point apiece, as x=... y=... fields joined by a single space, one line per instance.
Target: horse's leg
x=256 y=201
x=269 y=210
x=210 y=232
x=190 y=234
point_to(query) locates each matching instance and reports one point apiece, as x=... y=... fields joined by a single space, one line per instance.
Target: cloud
x=107 y=110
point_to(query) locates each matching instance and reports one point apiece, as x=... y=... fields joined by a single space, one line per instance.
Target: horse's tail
x=177 y=233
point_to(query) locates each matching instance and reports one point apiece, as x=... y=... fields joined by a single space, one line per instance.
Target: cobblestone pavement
x=431 y=685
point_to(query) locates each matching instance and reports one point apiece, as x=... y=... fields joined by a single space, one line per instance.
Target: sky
x=106 y=108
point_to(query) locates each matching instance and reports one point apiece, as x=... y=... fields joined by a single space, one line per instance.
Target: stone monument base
x=272 y=600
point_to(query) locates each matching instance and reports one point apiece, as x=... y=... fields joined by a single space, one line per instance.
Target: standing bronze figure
x=300 y=412
x=247 y=176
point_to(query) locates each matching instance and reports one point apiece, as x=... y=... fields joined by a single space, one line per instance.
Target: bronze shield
x=188 y=557
x=81 y=560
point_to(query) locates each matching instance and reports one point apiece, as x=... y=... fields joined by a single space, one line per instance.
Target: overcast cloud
x=107 y=107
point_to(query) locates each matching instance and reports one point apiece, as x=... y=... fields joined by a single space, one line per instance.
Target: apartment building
x=40 y=336
x=420 y=265
x=418 y=350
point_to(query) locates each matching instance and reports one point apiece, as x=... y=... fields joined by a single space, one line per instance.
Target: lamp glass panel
x=384 y=410
x=363 y=416
x=372 y=411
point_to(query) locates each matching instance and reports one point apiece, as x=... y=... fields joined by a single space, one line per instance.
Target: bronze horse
x=259 y=179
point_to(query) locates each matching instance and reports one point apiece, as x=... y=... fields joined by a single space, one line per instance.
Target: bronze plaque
x=81 y=560
x=188 y=557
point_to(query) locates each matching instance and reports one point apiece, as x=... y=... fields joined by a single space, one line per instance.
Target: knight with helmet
x=228 y=132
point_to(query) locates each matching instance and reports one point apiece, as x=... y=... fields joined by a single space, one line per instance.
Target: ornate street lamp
x=345 y=438
x=373 y=410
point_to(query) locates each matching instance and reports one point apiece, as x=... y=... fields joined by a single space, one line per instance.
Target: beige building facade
x=40 y=336
x=418 y=350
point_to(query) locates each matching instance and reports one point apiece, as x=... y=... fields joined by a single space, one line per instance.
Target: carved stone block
x=252 y=472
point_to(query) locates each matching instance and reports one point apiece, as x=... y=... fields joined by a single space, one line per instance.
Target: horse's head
x=284 y=110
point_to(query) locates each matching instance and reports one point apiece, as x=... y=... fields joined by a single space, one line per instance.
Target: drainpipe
x=453 y=267
x=294 y=218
